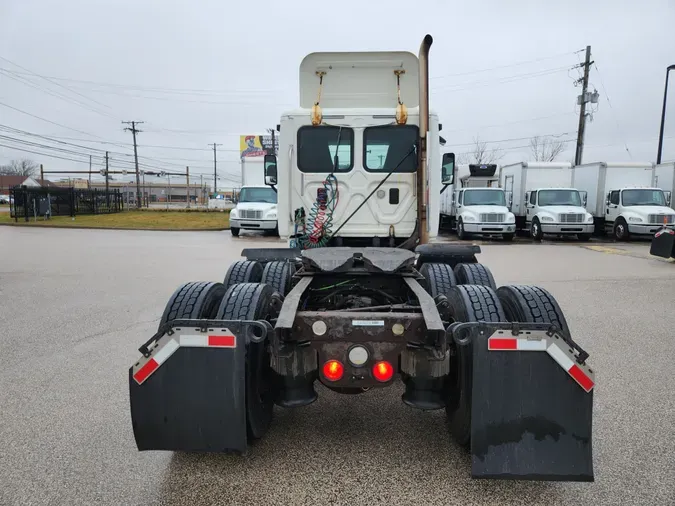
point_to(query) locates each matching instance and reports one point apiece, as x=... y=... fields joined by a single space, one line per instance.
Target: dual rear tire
x=472 y=296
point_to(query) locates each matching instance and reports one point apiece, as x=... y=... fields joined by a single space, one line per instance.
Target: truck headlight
x=468 y=218
x=511 y=218
x=233 y=213
x=272 y=215
x=589 y=218
x=635 y=219
x=546 y=218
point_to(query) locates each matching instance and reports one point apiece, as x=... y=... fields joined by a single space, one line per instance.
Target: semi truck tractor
x=477 y=205
x=544 y=201
x=623 y=199
x=365 y=299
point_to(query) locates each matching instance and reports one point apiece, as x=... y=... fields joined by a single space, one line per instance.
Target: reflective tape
x=579 y=372
x=167 y=346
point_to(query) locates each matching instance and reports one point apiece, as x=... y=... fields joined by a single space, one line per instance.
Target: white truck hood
x=485 y=209
x=255 y=206
x=644 y=211
x=563 y=210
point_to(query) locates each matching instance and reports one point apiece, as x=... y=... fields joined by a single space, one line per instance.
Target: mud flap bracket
x=531 y=402
x=188 y=392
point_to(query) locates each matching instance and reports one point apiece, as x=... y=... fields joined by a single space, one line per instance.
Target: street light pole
x=663 y=115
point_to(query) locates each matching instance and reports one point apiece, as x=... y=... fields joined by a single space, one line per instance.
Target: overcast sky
x=209 y=71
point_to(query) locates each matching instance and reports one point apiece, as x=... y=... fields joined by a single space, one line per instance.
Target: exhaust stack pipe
x=422 y=190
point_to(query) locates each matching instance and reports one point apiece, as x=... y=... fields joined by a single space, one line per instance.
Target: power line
x=616 y=120
x=51 y=81
x=49 y=121
x=504 y=80
x=502 y=66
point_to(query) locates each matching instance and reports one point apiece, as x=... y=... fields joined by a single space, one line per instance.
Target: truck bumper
x=567 y=228
x=254 y=224
x=490 y=228
x=647 y=229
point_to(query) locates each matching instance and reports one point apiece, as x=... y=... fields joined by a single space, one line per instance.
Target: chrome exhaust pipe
x=422 y=218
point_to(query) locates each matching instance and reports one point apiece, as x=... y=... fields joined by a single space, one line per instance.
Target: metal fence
x=33 y=202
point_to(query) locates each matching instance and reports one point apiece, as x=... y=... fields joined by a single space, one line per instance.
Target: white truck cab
x=623 y=199
x=256 y=209
x=558 y=211
x=544 y=201
x=478 y=205
x=347 y=169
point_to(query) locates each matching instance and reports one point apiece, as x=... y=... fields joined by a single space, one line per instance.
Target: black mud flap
x=532 y=403
x=663 y=243
x=187 y=392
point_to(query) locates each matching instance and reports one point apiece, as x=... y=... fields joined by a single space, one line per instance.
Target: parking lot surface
x=76 y=304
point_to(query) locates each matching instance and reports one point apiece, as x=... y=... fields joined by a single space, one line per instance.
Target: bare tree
x=481 y=154
x=23 y=167
x=546 y=149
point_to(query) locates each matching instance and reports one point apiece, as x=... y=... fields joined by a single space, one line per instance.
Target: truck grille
x=492 y=218
x=249 y=214
x=657 y=219
x=571 y=218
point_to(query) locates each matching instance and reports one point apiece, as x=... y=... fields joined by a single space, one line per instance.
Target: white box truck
x=664 y=178
x=477 y=205
x=623 y=199
x=544 y=200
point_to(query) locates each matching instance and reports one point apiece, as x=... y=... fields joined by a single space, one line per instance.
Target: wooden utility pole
x=90 y=172
x=134 y=131
x=187 y=189
x=42 y=174
x=215 y=175
x=582 y=111
x=107 y=195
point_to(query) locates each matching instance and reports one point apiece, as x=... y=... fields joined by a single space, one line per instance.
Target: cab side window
x=614 y=198
x=533 y=198
x=460 y=196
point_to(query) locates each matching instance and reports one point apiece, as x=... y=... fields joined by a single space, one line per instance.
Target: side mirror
x=270 y=170
x=607 y=200
x=454 y=199
x=448 y=168
x=509 y=196
x=527 y=198
x=668 y=198
x=584 y=198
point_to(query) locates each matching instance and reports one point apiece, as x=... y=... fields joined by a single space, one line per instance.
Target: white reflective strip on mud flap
x=166 y=351
x=196 y=341
x=528 y=345
x=558 y=355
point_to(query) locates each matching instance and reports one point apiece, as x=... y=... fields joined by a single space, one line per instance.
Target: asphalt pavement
x=76 y=304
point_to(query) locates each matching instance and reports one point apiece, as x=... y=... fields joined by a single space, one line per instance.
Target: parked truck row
x=556 y=198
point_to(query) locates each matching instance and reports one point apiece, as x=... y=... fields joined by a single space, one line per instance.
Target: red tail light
x=333 y=370
x=383 y=371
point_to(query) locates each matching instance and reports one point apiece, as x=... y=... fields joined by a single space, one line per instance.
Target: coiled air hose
x=316 y=231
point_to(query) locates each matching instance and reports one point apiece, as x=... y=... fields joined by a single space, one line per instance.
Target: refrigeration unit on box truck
x=623 y=199
x=544 y=201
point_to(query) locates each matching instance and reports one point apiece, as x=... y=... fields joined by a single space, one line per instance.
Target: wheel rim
x=535 y=230
x=460 y=227
x=620 y=231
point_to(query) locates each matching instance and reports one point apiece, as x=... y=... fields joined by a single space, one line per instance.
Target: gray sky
x=206 y=72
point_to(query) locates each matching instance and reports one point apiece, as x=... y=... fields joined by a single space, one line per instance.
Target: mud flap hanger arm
x=255 y=331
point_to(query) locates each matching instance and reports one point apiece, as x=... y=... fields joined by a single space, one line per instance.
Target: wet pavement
x=76 y=304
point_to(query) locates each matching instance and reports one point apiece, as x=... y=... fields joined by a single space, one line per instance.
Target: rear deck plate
x=342 y=259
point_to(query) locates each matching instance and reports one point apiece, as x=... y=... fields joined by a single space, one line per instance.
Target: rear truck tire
x=439 y=278
x=279 y=275
x=474 y=274
x=243 y=271
x=461 y=233
x=254 y=301
x=531 y=304
x=468 y=303
x=621 y=230
x=508 y=237
x=535 y=230
x=235 y=231
x=584 y=237
x=194 y=301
